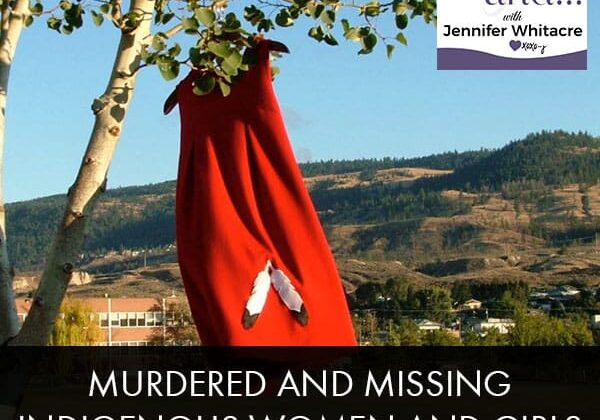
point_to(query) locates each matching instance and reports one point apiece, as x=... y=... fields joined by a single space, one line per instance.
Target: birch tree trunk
x=13 y=21
x=110 y=110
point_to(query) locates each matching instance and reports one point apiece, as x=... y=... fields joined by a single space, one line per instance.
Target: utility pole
x=109 y=316
x=164 y=314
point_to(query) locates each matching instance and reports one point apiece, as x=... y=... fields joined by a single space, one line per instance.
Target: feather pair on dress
x=284 y=288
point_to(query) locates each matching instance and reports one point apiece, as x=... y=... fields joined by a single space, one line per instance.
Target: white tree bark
x=110 y=110
x=11 y=27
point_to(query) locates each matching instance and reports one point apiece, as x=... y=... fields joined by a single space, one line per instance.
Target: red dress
x=255 y=262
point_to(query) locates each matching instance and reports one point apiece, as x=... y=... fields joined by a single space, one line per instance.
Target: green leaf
x=65 y=4
x=206 y=16
x=318 y=10
x=330 y=39
x=175 y=50
x=232 y=63
x=353 y=34
x=204 y=84
x=253 y=15
x=105 y=8
x=372 y=9
x=220 y=49
x=166 y=18
x=368 y=43
x=389 y=50
x=400 y=7
x=232 y=24
x=328 y=17
x=300 y=3
x=67 y=29
x=132 y=20
x=169 y=68
x=222 y=76
x=97 y=18
x=234 y=59
x=28 y=21
x=401 y=38
x=225 y=88
x=190 y=25
x=316 y=32
x=265 y=25
x=370 y=40
x=37 y=9
x=158 y=16
x=345 y=25
x=73 y=16
x=54 y=23
x=145 y=54
x=158 y=42
x=401 y=21
x=284 y=18
x=195 y=55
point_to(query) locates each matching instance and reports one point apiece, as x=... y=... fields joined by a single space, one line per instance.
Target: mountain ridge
x=469 y=206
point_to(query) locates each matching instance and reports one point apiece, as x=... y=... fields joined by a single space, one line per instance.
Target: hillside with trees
x=551 y=158
x=484 y=213
x=448 y=160
x=412 y=242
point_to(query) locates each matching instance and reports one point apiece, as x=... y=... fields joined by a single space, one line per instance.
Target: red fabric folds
x=241 y=210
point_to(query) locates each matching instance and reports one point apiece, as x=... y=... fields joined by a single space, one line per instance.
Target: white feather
x=260 y=290
x=288 y=294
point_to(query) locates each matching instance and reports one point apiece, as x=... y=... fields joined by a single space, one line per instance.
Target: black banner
x=375 y=383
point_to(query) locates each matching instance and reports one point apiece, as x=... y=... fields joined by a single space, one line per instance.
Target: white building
x=502 y=325
x=124 y=321
x=565 y=293
x=427 y=325
x=470 y=305
x=596 y=322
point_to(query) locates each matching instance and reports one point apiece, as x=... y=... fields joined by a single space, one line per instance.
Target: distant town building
x=545 y=299
x=427 y=325
x=565 y=292
x=123 y=321
x=470 y=305
x=596 y=322
x=502 y=325
x=536 y=295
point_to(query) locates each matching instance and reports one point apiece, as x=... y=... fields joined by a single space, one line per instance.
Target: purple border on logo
x=462 y=59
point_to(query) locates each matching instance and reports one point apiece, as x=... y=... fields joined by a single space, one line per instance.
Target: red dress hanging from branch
x=255 y=262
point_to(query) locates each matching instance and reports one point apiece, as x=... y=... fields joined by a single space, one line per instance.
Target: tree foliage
x=550 y=157
x=76 y=326
x=222 y=37
x=538 y=329
x=446 y=160
x=179 y=329
x=405 y=333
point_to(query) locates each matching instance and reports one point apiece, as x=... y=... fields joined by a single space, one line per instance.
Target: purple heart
x=515 y=45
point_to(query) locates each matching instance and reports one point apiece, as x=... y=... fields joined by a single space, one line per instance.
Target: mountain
x=447 y=160
x=552 y=158
x=136 y=217
x=528 y=211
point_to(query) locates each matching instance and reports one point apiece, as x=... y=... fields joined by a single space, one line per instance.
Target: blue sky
x=336 y=104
